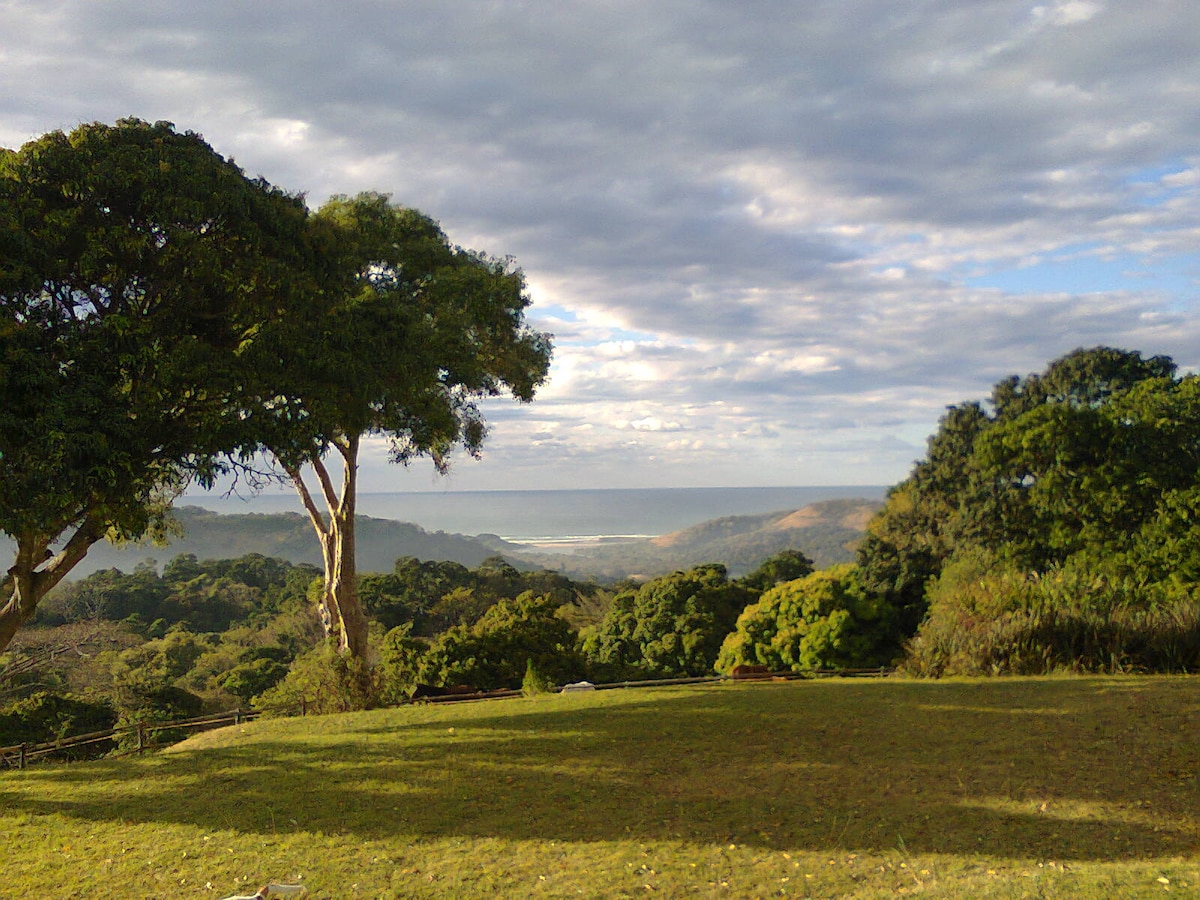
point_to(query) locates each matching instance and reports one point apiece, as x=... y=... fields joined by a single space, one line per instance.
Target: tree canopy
x=672 y=625
x=408 y=334
x=821 y=620
x=136 y=267
x=1086 y=475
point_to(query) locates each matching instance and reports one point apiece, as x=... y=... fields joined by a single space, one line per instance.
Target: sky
x=773 y=240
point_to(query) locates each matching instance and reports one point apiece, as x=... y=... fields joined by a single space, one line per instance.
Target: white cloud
x=757 y=230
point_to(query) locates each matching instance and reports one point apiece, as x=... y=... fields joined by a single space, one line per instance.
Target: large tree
x=1079 y=459
x=407 y=334
x=136 y=268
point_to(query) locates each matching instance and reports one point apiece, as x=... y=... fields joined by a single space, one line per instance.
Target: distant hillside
x=827 y=532
x=289 y=536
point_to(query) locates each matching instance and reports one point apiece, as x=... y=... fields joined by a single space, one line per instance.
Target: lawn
x=1057 y=787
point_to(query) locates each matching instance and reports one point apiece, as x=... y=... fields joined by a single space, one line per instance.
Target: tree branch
x=314 y=514
x=349 y=452
x=72 y=553
x=331 y=495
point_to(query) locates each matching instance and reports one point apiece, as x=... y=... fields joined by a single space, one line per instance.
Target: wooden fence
x=145 y=734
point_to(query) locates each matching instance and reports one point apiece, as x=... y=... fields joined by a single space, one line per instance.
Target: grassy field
x=1061 y=787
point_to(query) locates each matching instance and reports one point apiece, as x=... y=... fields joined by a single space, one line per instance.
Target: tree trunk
x=35 y=571
x=12 y=615
x=341 y=611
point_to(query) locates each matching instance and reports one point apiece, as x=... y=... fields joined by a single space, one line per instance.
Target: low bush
x=986 y=620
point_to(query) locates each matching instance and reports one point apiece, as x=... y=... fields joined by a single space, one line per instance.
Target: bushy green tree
x=407 y=335
x=399 y=667
x=496 y=651
x=670 y=626
x=136 y=268
x=1087 y=472
x=787 y=565
x=825 y=620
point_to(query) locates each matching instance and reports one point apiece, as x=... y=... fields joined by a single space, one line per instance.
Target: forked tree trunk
x=35 y=571
x=341 y=611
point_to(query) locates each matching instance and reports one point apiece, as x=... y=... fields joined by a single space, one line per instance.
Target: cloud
x=780 y=238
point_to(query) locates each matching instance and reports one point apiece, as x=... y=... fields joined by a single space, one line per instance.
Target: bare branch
x=331 y=495
x=314 y=514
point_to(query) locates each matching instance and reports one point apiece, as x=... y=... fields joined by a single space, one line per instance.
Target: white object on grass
x=272 y=890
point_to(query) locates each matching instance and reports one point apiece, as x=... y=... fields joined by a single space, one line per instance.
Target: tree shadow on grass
x=1072 y=772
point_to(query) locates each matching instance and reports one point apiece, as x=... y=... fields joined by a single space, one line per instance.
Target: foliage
x=137 y=266
x=988 y=618
x=434 y=596
x=1091 y=468
x=787 y=565
x=496 y=651
x=409 y=333
x=399 y=666
x=208 y=595
x=249 y=679
x=411 y=592
x=825 y=620
x=167 y=671
x=536 y=681
x=152 y=710
x=669 y=626
x=319 y=682
x=47 y=716
x=145 y=682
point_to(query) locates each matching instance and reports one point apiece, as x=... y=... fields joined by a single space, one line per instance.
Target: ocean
x=547 y=517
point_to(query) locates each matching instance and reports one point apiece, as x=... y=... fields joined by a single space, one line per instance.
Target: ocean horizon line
x=597 y=490
x=435 y=492
x=568 y=515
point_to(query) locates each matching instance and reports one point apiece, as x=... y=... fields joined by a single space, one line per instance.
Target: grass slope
x=1068 y=787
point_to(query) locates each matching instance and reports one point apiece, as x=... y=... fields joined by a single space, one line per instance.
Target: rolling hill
x=827 y=532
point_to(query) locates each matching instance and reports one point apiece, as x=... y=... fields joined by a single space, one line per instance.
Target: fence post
x=21 y=757
x=141 y=737
x=237 y=716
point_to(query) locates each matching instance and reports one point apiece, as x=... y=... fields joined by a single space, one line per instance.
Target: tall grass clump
x=986 y=620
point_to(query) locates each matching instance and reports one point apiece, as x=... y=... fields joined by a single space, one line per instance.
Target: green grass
x=1057 y=787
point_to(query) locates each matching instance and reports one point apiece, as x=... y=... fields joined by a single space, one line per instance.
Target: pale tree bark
x=35 y=572
x=341 y=611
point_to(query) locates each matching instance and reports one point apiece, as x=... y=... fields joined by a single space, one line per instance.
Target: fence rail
x=18 y=756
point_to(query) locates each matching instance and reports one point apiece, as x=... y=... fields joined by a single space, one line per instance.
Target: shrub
x=320 y=681
x=496 y=651
x=535 y=681
x=399 y=665
x=824 y=620
x=45 y=716
x=670 y=626
x=249 y=679
x=988 y=620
